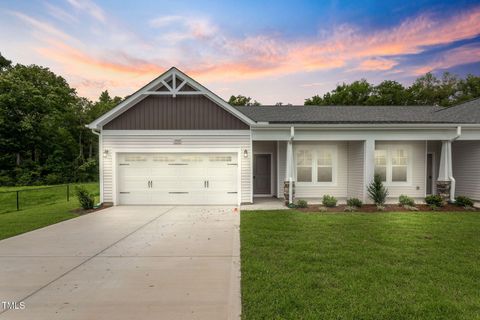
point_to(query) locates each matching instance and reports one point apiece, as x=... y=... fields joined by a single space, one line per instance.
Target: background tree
x=242 y=101
x=425 y=90
x=43 y=139
x=388 y=93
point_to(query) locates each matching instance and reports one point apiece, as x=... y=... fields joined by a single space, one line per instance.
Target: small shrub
x=463 y=201
x=322 y=209
x=292 y=206
x=433 y=207
x=434 y=200
x=410 y=208
x=329 y=201
x=350 y=209
x=302 y=204
x=377 y=191
x=86 y=199
x=380 y=207
x=354 y=202
x=406 y=201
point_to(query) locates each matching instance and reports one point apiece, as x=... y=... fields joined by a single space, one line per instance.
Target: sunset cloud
x=115 y=57
x=458 y=56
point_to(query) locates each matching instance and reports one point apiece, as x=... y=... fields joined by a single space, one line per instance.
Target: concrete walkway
x=126 y=263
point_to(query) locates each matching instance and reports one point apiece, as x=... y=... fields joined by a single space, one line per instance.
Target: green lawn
x=360 y=266
x=38 y=208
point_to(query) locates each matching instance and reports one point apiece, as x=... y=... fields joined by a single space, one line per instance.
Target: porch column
x=445 y=180
x=369 y=166
x=289 y=183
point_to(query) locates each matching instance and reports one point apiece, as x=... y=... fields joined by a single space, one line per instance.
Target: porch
x=344 y=168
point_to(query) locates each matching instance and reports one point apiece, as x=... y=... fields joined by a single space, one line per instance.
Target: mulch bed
x=81 y=211
x=388 y=208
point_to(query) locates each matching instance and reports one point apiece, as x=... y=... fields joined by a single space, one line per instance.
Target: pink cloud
x=458 y=56
x=203 y=50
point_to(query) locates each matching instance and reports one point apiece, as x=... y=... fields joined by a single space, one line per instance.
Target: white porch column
x=445 y=180
x=444 y=169
x=289 y=170
x=369 y=166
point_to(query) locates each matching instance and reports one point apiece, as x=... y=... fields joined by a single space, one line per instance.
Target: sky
x=272 y=51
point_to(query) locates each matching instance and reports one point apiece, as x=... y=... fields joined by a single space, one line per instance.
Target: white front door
x=177 y=178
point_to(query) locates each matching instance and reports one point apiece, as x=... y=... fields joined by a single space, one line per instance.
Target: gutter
x=453 y=182
x=266 y=125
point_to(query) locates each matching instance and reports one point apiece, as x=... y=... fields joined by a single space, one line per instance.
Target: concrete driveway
x=126 y=263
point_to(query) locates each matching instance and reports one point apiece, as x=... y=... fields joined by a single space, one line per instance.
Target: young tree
x=377 y=191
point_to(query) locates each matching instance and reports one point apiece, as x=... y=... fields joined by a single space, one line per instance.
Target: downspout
x=450 y=169
x=290 y=180
x=100 y=164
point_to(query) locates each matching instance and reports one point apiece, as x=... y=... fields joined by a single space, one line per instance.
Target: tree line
x=43 y=138
x=446 y=91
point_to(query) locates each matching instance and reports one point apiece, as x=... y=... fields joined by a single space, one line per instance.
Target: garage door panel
x=183 y=178
x=134 y=197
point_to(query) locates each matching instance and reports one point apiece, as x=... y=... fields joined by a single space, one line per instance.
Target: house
x=176 y=142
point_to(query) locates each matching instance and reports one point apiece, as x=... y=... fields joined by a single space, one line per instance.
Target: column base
x=443 y=190
x=286 y=190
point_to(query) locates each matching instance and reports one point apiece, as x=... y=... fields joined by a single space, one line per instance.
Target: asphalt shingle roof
x=468 y=112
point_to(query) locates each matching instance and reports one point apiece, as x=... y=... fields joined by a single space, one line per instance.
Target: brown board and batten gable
x=183 y=112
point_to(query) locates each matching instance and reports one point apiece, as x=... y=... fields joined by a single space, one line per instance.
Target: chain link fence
x=25 y=198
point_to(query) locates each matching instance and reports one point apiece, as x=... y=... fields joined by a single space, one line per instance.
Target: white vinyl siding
x=415 y=187
x=157 y=142
x=466 y=168
x=356 y=161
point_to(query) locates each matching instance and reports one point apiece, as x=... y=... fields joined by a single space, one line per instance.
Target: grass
x=38 y=208
x=360 y=266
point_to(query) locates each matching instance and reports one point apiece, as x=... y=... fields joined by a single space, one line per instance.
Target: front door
x=429 y=173
x=262 y=166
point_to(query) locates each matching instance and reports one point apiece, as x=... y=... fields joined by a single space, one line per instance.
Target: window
x=324 y=166
x=392 y=164
x=381 y=164
x=315 y=164
x=304 y=166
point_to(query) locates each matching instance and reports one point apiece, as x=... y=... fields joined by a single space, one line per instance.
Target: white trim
x=315 y=148
x=434 y=165
x=115 y=152
x=168 y=93
x=358 y=134
x=267 y=125
x=176 y=132
x=278 y=170
x=271 y=174
x=147 y=89
x=388 y=148
x=100 y=164
x=251 y=167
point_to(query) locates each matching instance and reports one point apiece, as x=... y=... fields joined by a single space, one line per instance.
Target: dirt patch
x=388 y=208
x=81 y=211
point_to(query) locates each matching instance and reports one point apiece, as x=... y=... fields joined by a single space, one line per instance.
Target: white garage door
x=177 y=178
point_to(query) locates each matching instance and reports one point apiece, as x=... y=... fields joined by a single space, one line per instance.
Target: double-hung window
x=315 y=164
x=393 y=164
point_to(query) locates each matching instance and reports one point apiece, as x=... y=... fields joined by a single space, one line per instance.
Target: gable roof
x=468 y=113
x=167 y=82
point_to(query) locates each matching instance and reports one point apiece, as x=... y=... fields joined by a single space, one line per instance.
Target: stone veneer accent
x=443 y=190
x=286 y=185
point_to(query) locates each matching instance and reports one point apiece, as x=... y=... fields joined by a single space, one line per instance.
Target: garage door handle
x=177 y=192
x=208 y=184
